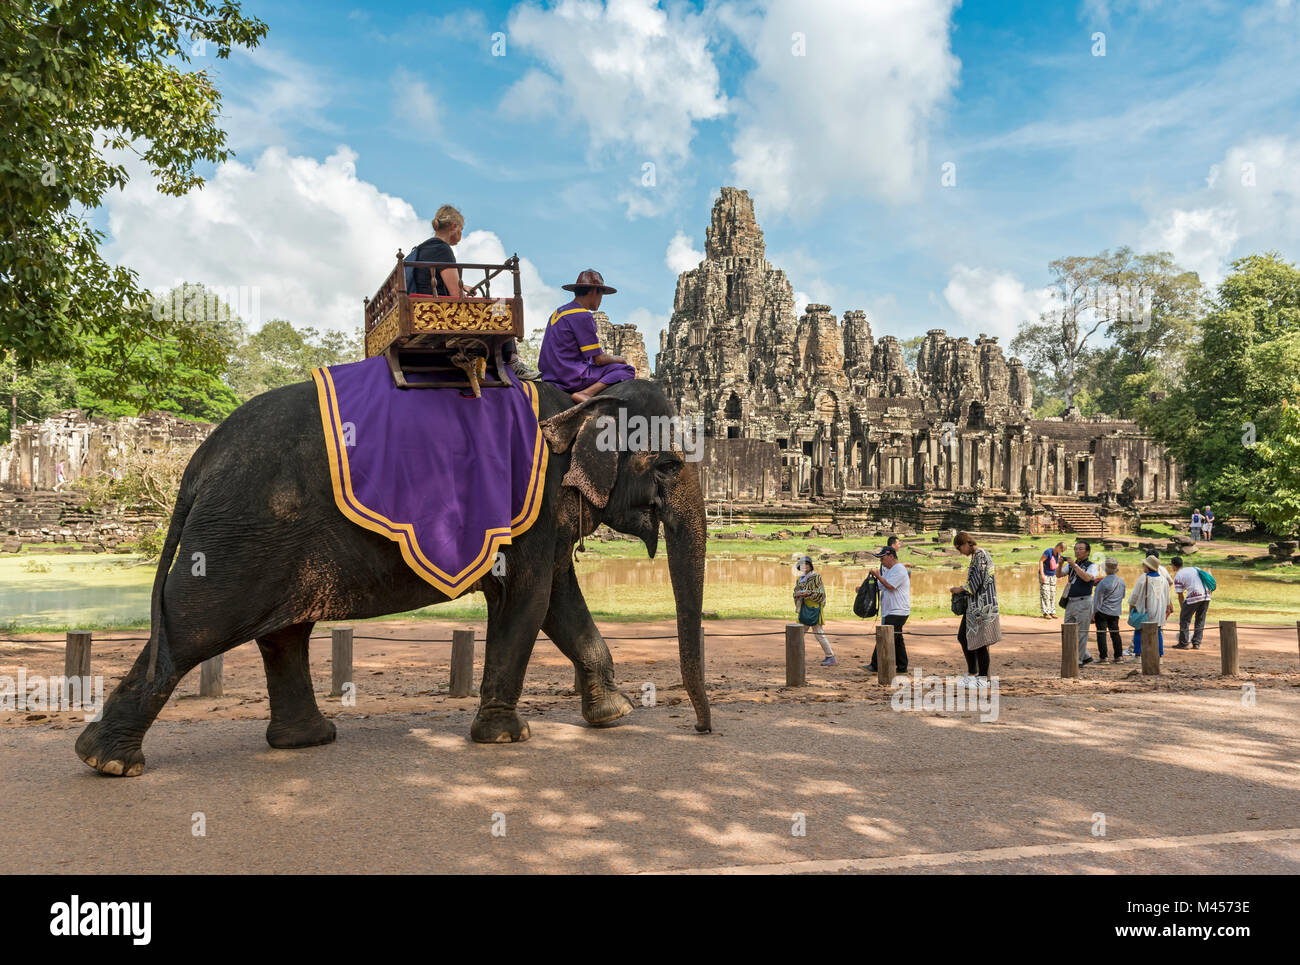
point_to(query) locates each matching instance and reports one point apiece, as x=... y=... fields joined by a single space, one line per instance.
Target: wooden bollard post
x=210 y=676
x=340 y=660
x=1150 y=648
x=1228 y=647
x=462 y=663
x=1069 y=650
x=76 y=663
x=885 y=662
x=795 y=667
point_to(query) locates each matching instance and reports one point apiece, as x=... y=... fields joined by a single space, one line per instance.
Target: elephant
x=256 y=499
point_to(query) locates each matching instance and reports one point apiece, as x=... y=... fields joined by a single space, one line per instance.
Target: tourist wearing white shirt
x=1194 y=602
x=895 y=602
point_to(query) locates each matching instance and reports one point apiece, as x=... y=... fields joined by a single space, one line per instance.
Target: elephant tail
x=184 y=502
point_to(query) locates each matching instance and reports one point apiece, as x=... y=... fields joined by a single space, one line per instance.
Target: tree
x=279 y=354
x=1239 y=373
x=1144 y=302
x=32 y=394
x=911 y=350
x=1274 y=490
x=78 y=76
x=1149 y=355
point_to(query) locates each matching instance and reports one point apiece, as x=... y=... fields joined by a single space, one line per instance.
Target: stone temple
x=813 y=410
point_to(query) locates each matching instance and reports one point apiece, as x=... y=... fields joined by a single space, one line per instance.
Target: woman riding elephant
x=257 y=505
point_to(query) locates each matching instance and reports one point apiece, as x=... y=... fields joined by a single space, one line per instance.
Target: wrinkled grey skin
x=257 y=502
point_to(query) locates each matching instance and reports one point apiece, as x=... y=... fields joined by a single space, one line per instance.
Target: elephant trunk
x=685 y=532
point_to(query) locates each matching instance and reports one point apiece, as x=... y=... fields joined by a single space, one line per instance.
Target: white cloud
x=850 y=116
x=680 y=256
x=416 y=103
x=276 y=94
x=309 y=235
x=1199 y=239
x=801 y=302
x=993 y=302
x=1251 y=201
x=635 y=75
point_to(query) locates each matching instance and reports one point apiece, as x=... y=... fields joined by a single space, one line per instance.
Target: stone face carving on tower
x=843 y=408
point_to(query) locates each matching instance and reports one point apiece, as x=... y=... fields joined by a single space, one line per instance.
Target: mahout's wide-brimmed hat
x=590 y=279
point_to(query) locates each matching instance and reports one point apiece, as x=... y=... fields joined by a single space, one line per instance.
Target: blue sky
x=352 y=124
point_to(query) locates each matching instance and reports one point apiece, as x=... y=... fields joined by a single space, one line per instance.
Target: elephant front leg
x=569 y=625
x=515 y=613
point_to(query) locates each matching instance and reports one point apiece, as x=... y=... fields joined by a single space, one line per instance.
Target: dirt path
x=1187 y=782
x=1188 y=774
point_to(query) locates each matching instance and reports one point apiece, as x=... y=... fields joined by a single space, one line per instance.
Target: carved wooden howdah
x=435 y=341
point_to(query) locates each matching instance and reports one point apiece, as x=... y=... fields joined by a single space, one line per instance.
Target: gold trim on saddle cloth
x=403 y=534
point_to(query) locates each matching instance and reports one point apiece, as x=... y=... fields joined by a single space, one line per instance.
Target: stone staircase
x=1075 y=516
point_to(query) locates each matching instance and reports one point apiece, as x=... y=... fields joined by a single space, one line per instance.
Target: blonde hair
x=446 y=217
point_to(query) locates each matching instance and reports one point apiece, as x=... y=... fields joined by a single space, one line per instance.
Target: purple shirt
x=569 y=345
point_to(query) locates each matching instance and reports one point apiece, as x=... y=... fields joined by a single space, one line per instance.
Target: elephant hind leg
x=296 y=721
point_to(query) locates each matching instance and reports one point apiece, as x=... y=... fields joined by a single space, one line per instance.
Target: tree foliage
x=1273 y=498
x=279 y=354
x=78 y=77
x=250 y=363
x=1143 y=303
x=1222 y=425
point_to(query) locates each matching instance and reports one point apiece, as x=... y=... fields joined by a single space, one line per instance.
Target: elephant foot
x=607 y=708
x=498 y=727
x=301 y=733
x=116 y=756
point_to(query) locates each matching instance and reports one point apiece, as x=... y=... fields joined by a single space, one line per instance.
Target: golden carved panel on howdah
x=382 y=335
x=456 y=316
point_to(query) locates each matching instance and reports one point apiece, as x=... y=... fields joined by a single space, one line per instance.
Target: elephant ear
x=593 y=467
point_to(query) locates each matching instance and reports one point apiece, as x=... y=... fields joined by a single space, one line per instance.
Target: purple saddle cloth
x=449 y=479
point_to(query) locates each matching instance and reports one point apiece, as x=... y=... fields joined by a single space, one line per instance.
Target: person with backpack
x=1193 y=588
x=895 y=602
x=1149 y=603
x=1197 y=520
x=810 y=600
x=1048 y=566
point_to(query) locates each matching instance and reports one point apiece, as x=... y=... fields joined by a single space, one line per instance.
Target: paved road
x=1187 y=782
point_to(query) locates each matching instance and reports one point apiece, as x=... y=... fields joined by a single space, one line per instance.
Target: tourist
x=1207 y=524
x=808 y=589
x=1193 y=603
x=1083 y=575
x=981 y=605
x=1048 y=566
x=895 y=602
x=1150 y=599
x=1197 y=520
x=896 y=545
x=448 y=226
x=60 y=480
x=571 y=356
x=1107 y=603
